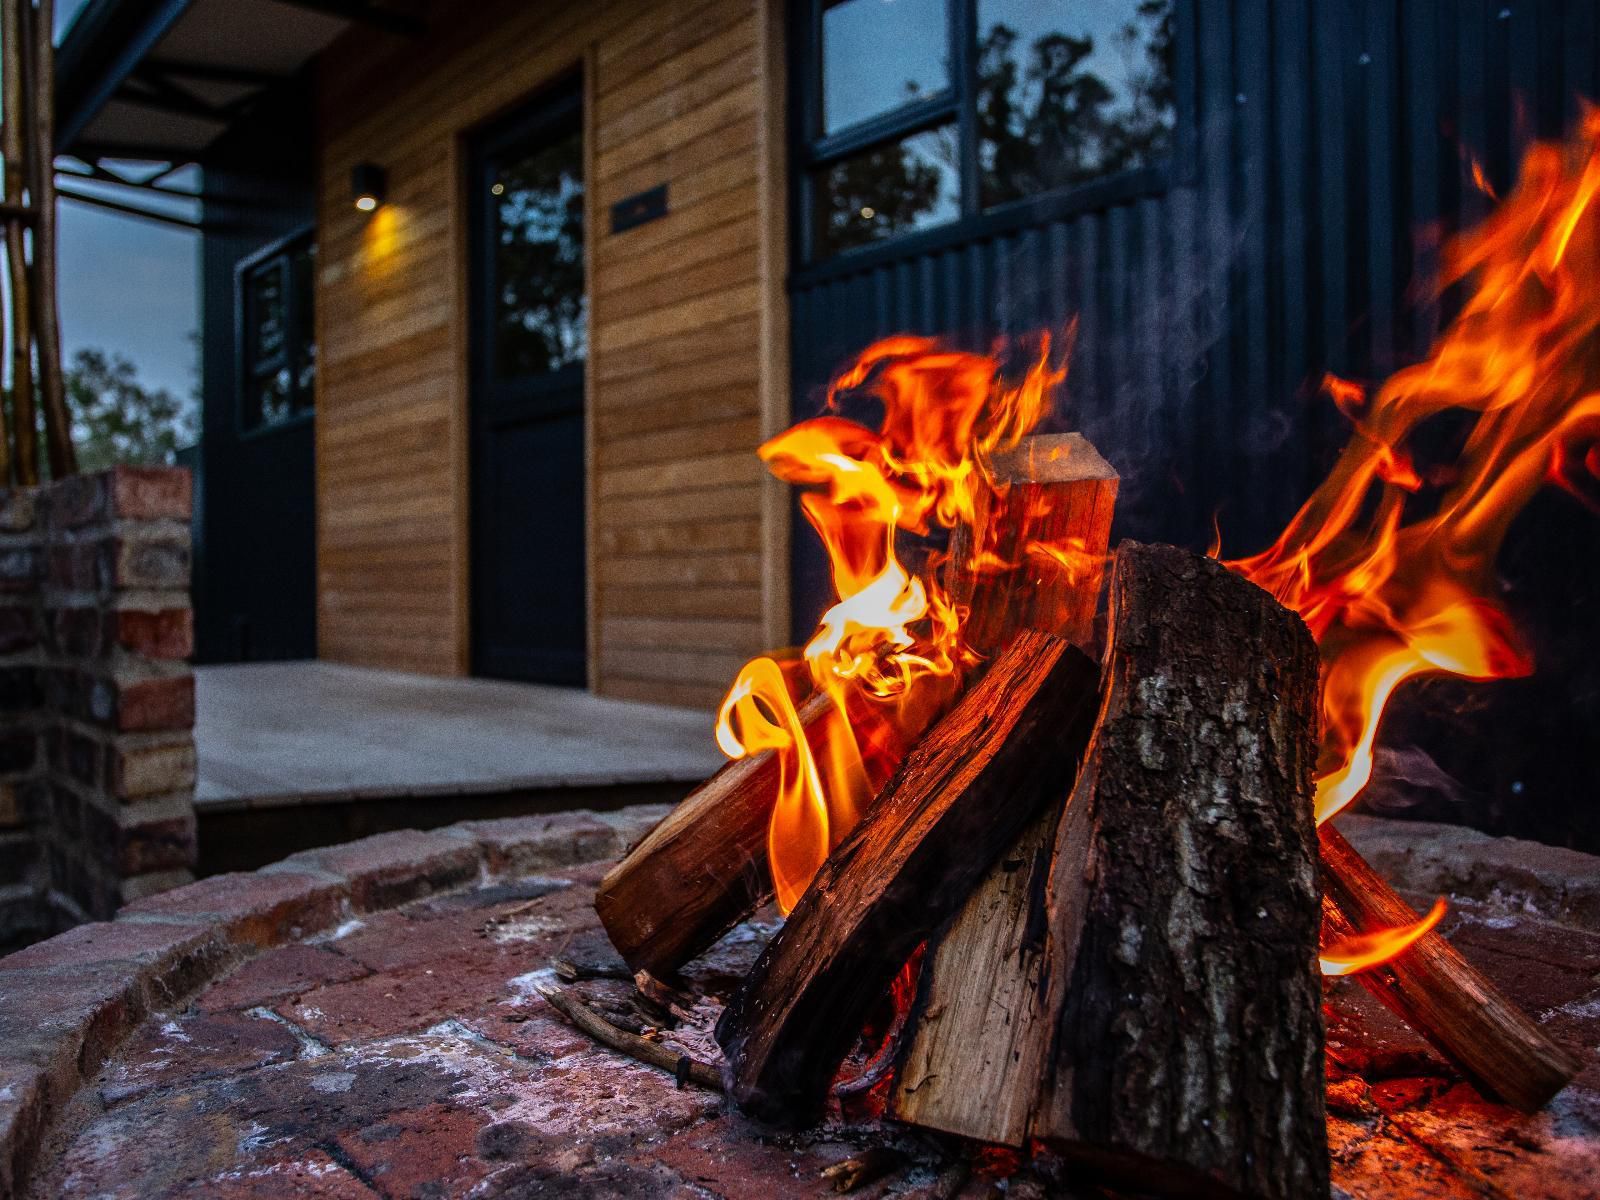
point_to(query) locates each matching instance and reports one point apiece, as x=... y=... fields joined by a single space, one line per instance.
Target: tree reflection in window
x=890 y=189
x=540 y=310
x=1068 y=92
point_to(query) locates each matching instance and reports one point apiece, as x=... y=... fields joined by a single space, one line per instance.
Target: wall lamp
x=368 y=183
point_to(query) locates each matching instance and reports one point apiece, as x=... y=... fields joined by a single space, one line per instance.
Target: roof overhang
x=161 y=80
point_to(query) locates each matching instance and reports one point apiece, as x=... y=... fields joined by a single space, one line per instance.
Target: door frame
x=506 y=123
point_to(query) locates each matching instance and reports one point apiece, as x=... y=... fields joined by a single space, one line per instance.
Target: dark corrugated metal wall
x=1322 y=154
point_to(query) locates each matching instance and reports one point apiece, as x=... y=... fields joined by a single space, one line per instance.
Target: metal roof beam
x=366 y=13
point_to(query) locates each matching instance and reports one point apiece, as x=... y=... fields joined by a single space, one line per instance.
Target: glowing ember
x=1362 y=951
x=889 y=654
x=1396 y=577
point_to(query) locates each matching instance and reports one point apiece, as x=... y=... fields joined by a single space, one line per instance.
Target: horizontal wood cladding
x=676 y=529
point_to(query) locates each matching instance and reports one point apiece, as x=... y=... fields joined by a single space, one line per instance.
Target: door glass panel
x=267 y=312
x=303 y=346
x=888 y=190
x=540 y=312
x=1068 y=91
x=880 y=54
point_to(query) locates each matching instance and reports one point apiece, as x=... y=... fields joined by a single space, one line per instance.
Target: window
x=917 y=112
x=277 y=342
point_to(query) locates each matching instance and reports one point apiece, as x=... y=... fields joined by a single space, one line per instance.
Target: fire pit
x=368 y=1021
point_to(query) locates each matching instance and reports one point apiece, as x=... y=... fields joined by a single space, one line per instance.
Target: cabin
x=499 y=298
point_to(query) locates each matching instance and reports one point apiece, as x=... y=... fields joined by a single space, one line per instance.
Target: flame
x=889 y=654
x=1361 y=951
x=1394 y=573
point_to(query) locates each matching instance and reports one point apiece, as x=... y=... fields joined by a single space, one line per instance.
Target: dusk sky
x=128 y=286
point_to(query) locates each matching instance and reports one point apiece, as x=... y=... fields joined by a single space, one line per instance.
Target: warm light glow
x=1362 y=951
x=1393 y=572
x=888 y=653
x=366 y=203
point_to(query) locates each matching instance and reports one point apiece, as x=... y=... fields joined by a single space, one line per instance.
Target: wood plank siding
x=687 y=545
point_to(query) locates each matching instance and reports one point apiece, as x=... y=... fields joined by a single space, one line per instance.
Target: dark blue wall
x=1321 y=154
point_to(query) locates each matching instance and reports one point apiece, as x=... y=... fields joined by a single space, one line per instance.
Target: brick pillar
x=107 y=796
x=24 y=913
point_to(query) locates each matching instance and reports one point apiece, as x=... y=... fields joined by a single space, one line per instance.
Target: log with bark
x=1438 y=993
x=958 y=800
x=1158 y=1012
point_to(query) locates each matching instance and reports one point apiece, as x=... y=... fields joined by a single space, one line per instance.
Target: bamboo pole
x=24 y=444
x=46 y=310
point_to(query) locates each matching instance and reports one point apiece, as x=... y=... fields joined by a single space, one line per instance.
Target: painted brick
x=149 y=493
x=165 y=634
x=158 y=562
x=17 y=510
x=152 y=770
x=19 y=629
x=391 y=868
x=19 y=568
x=263 y=909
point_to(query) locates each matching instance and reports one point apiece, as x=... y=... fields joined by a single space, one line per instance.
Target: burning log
x=1159 y=1012
x=958 y=800
x=703 y=869
x=1438 y=993
x=1035 y=554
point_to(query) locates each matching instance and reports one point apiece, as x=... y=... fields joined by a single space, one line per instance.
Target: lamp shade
x=367 y=185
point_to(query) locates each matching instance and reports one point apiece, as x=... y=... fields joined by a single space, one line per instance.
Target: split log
x=1166 y=1028
x=1438 y=993
x=983 y=974
x=958 y=800
x=703 y=869
x=1034 y=557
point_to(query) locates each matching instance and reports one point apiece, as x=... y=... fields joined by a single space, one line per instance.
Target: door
x=529 y=345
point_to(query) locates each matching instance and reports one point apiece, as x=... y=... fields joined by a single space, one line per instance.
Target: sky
x=129 y=286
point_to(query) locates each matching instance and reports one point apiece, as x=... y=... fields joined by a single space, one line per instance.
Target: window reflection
x=278 y=342
x=880 y=54
x=1069 y=92
x=540 y=310
x=891 y=189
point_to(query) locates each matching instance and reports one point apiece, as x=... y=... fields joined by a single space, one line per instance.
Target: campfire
x=1047 y=821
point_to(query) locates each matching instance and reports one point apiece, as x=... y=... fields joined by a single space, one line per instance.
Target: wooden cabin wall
x=688 y=562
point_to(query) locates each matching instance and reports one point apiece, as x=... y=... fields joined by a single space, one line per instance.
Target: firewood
x=984 y=975
x=1169 y=1033
x=1438 y=993
x=958 y=800
x=702 y=870
x=1041 y=539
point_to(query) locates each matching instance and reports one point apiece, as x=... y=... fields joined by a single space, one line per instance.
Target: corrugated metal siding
x=1322 y=151
x=1323 y=155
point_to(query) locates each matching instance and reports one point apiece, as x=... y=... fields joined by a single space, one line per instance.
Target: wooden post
x=959 y=799
x=46 y=305
x=1438 y=993
x=25 y=444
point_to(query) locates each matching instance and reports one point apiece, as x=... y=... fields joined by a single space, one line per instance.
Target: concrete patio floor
x=298 y=733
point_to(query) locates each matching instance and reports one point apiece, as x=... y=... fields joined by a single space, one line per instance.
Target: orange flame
x=1361 y=951
x=1396 y=579
x=889 y=653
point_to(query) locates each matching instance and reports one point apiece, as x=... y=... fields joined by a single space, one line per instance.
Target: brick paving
x=389 y=1042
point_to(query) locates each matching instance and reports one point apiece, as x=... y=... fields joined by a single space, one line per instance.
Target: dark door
x=529 y=344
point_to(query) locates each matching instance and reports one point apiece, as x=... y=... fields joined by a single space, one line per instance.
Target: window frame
x=247 y=371
x=812 y=151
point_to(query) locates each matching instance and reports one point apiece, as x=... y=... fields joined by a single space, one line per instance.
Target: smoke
x=1406 y=777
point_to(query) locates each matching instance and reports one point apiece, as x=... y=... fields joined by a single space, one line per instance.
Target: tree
x=116 y=420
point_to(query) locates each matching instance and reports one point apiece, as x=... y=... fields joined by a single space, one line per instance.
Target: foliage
x=118 y=420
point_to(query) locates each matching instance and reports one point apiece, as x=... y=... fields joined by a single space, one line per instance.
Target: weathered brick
x=146 y=705
x=77 y=756
x=152 y=770
x=534 y=843
x=22 y=1119
x=261 y=909
x=11 y=812
x=165 y=634
x=65 y=1020
x=391 y=868
x=19 y=629
x=77 y=632
x=19 y=751
x=173 y=958
x=76 y=501
x=161 y=842
x=76 y=566
x=150 y=493
x=19 y=568
x=17 y=510
x=142 y=561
